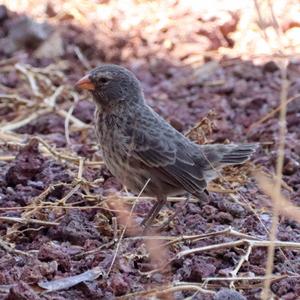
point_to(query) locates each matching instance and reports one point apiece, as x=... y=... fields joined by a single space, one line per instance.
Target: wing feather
x=167 y=150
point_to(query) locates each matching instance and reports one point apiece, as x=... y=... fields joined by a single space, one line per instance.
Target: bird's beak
x=85 y=83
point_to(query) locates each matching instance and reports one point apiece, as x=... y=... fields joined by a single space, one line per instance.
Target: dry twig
x=26 y=221
x=277 y=187
x=252 y=243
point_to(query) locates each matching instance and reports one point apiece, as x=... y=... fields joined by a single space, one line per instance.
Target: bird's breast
x=113 y=142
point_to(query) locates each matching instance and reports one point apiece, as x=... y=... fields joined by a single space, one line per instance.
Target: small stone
x=25 y=33
x=224 y=217
x=52 y=47
x=270 y=67
x=50 y=11
x=119 y=285
x=91 y=290
x=26 y=166
x=75 y=228
x=22 y=291
x=202 y=269
x=234 y=209
x=49 y=252
x=227 y=294
x=290 y=167
x=3 y=13
x=209 y=210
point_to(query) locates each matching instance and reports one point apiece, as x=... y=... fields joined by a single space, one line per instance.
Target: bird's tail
x=237 y=154
x=218 y=156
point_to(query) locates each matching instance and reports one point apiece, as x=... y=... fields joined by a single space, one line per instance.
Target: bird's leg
x=154 y=211
x=178 y=209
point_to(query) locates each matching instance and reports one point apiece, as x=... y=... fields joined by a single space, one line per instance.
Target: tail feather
x=220 y=155
x=237 y=154
x=217 y=156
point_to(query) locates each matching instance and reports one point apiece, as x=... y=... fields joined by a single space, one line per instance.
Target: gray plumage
x=138 y=144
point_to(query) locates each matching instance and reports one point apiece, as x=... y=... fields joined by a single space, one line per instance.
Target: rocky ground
x=61 y=211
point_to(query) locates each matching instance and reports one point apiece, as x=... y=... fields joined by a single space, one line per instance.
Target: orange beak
x=85 y=83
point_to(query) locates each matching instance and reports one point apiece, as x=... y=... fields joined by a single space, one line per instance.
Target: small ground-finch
x=139 y=145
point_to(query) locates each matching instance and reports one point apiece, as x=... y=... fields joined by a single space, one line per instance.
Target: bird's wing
x=158 y=145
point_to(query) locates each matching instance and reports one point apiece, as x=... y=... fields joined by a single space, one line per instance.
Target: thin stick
x=26 y=221
x=30 y=78
x=64 y=200
x=47 y=149
x=7 y=157
x=278 y=179
x=9 y=61
x=10 y=249
x=31 y=117
x=15 y=97
x=252 y=243
x=252 y=278
x=166 y=290
x=261 y=21
x=74 y=159
x=82 y=58
x=80 y=169
x=197 y=237
x=68 y=117
x=67 y=122
x=79 y=124
x=50 y=101
x=10 y=137
x=60 y=206
x=239 y=265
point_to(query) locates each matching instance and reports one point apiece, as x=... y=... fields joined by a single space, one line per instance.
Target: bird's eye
x=103 y=80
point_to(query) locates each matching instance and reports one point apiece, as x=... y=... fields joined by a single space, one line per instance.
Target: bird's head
x=112 y=86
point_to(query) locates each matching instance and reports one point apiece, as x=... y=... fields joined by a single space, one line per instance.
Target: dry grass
x=266 y=294
x=277 y=187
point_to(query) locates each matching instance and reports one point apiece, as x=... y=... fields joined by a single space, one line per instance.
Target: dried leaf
x=67 y=282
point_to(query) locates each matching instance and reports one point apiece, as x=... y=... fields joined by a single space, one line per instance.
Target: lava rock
x=25 y=33
x=22 y=291
x=227 y=294
x=26 y=166
x=3 y=13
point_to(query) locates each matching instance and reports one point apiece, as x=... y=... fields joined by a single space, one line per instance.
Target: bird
x=142 y=150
